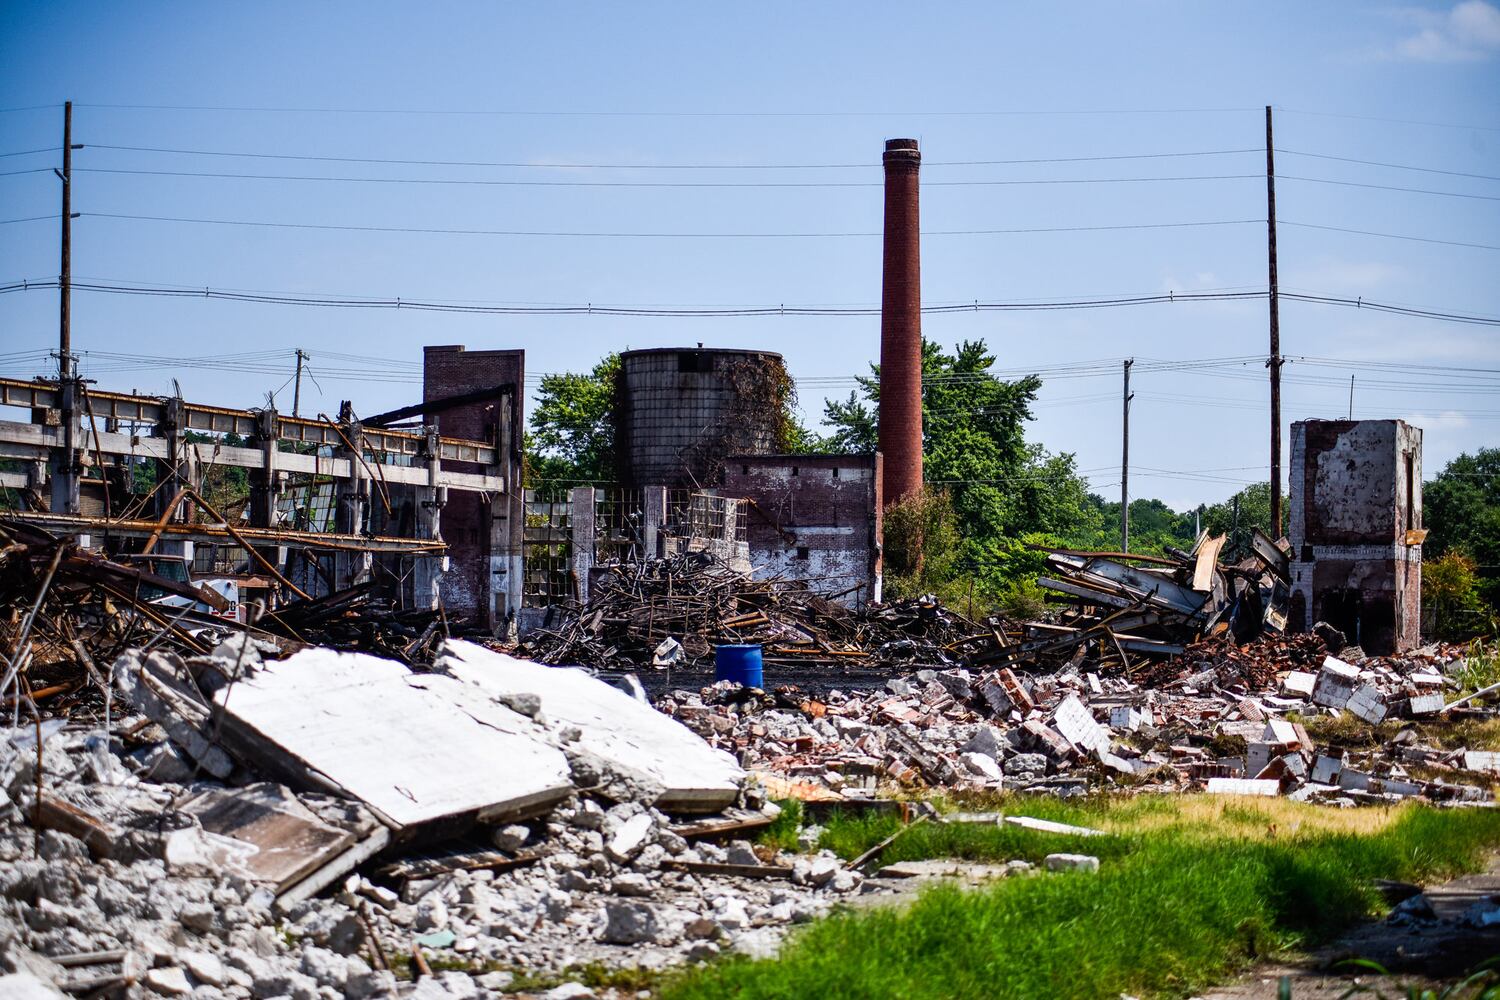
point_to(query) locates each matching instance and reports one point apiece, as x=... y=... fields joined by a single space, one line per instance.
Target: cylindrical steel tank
x=682 y=410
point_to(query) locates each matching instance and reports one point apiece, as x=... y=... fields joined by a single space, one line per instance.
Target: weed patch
x=1190 y=890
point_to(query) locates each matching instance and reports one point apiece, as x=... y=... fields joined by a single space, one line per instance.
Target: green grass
x=781 y=835
x=1480 y=669
x=1191 y=889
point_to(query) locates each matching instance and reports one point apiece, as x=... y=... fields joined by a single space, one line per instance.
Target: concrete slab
x=414 y=748
x=629 y=736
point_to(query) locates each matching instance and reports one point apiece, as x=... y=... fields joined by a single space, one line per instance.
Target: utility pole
x=1125 y=464
x=1351 y=397
x=297 y=391
x=65 y=475
x=1274 y=361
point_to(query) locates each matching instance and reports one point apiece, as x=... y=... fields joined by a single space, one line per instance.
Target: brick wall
x=814 y=517
x=480 y=533
x=1356 y=490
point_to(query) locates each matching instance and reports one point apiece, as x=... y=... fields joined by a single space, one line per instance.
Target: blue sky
x=787 y=84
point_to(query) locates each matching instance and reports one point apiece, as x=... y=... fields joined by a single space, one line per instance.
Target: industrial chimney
x=901 y=325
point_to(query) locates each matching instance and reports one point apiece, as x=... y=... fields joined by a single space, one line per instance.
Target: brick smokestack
x=901 y=325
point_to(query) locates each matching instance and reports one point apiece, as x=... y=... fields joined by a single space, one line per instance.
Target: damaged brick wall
x=1356 y=490
x=813 y=517
x=483 y=533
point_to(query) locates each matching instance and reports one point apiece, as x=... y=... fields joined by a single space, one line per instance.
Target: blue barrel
x=739 y=662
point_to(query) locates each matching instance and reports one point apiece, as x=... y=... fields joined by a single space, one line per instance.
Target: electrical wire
x=1388 y=187
x=1388 y=121
x=1392 y=166
x=1390 y=236
x=489 y=182
x=589 y=309
x=529 y=113
x=658 y=235
x=658 y=166
x=829 y=235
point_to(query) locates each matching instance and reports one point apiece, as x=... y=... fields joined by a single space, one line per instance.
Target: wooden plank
x=290 y=840
x=462 y=859
x=1207 y=563
x=736 y=871
x=53 y=813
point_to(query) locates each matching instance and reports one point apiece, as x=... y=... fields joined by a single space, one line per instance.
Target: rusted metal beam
x=82 y=524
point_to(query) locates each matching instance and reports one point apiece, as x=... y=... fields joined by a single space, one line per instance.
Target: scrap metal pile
x=64 y=610
x=1127 y=609
x=66 y=613
x=1236 y=723
x=674 y=611
x=1120 y=612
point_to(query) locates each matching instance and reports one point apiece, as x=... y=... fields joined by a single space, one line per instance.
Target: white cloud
x=1470 y=32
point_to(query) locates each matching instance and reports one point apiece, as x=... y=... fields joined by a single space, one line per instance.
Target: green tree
x=1154 y=527
x=572 y=437
x=1004 y=492
x=1236 y=517
x=1461 y=510
x=1450 y=595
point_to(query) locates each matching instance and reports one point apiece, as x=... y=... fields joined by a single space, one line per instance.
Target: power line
x=1392 y=236
x=1390 y=187
x=537 y=113
x=1389 y=121
x=490 y=182
x=657 y=166
x=602 y=309
x=1393 y=166
x=29 y=152
x=830 y=235
x=659 y=235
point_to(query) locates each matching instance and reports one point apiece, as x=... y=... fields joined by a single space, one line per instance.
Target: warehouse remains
x=297 y=705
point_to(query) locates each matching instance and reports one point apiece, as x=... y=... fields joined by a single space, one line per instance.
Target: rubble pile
x=1126 y=609
x=254 y=833
x=358 y=619
x=68 y=613
x=672 y=612
x=64 y=611
x=1220 y=718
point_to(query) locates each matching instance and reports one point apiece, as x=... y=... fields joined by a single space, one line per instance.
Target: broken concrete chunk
x=982 y=765
x=364 y=726
x=1368 y=703
x=1071 y=863
x=630 y=737
x=1298 y=683
x=1336 y=683
x=986 y=740
x=1244 y=786
x=631 y=837
x=1048 y=826
x=1077 y=725
x=1326 y=768
x=1425 y=704
x=632 y=922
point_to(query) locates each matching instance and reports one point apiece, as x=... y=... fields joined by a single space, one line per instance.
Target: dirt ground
x=1425 y=954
